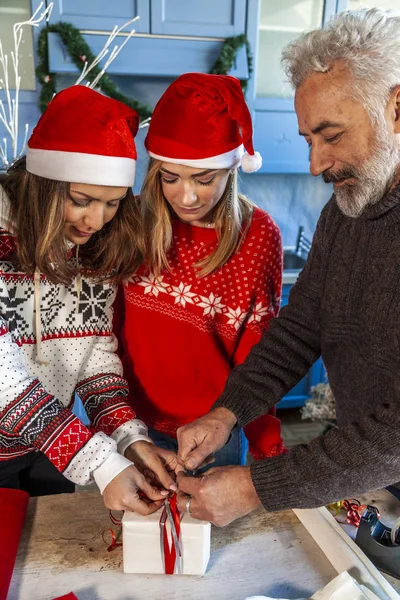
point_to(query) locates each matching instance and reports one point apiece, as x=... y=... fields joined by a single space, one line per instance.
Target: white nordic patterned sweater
x=77 y=351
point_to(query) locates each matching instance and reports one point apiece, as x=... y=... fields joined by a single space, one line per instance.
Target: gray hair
x=368 y=40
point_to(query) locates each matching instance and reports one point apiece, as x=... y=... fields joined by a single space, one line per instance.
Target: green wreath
x=80 y=52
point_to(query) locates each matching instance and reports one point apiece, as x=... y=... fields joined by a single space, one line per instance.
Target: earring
x=229 y=206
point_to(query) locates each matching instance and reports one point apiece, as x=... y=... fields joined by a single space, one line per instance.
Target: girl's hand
x=155 y=463
x=129 y=490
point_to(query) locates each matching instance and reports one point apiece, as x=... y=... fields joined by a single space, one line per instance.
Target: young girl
x=67 y=236
x=211 y=281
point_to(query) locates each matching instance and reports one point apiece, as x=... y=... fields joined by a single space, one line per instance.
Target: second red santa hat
x=202 y=121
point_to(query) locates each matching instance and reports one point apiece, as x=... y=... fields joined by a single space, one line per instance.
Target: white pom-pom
x=251 y=162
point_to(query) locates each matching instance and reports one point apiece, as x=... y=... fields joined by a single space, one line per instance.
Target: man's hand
x=122 y=493
x=154 y=463
x=221 y=495
x=203 y=437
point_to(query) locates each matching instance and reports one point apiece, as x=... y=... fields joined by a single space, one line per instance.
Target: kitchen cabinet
x=208 y=18
x=299 y=394
x=386 y=4
x=270 y=26
x=173 y=36
x=101 y=15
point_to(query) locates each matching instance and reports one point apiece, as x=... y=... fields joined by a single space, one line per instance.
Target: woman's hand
x=156 y=464
x=129 y=490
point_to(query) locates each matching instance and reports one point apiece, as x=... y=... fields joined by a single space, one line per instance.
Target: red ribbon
x=170 y=550
x=354 y=511
x=114 y=544
x=114 y=520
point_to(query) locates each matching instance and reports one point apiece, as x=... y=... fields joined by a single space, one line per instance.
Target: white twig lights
x=114 y=53
x=103 y=52
x=9 y=108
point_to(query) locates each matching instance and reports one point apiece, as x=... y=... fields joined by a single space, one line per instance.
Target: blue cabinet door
x=208 y=18
x=299 y=394
x=102 y=15
x=275 y=122
x=158 y=54
x=277 y=139
x=150 y=56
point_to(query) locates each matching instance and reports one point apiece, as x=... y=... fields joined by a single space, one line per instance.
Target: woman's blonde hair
x=37 y=214
x=232 y=218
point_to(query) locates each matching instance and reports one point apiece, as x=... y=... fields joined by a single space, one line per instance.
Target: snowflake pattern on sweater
x=79 y=356
x=227 y=297
x=183 y=334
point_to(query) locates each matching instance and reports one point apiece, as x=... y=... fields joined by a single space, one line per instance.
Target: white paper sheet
x=343 y=587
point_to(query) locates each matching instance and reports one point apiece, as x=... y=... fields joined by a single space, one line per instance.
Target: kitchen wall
x=291 y=200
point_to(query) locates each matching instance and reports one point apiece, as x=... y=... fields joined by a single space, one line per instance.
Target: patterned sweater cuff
x=111 y=467
x=62 y=439
x=104 y=398
x=90 y=458
x=128 y=433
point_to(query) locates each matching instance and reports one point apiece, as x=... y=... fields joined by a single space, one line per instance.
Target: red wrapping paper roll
x=13 y=505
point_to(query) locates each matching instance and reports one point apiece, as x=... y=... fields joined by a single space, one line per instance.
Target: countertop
x=62 y=550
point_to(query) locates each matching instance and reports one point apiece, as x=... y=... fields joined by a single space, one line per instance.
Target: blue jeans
x=233 y=453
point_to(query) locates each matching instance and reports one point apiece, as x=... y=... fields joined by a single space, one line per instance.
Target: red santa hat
x=202 y=121
x=85 y=137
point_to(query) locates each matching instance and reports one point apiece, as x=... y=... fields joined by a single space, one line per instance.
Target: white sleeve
x=130 y=432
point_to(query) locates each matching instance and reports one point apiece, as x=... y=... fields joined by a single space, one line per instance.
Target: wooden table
x=62 y=550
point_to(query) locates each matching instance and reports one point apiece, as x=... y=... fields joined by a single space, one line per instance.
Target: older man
x=345 y=305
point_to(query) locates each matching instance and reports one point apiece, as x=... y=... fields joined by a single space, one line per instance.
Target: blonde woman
x=211 y=280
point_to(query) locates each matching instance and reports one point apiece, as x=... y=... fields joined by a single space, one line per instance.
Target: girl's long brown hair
x=37 y=215
x=156 y=234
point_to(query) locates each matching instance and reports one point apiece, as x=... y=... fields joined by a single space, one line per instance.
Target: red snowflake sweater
x=183 y=334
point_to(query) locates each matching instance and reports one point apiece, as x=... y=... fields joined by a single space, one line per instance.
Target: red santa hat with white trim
x=85 y=137
x=202 y=121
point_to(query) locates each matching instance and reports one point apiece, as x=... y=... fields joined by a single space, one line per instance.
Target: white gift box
x=142 y=549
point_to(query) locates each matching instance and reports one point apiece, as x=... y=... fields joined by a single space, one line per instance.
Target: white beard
x=373 y=179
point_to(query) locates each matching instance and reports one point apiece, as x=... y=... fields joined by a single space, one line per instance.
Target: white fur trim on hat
x=228 y=160
x=78 y=167
x=251 y=162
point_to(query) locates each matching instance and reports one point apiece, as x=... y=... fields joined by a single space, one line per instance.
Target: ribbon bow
x=171 y=550
x=353 y=508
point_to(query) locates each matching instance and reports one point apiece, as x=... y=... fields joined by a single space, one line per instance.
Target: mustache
x=341 y=175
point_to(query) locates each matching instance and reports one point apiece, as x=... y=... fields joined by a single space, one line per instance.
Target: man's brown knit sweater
x=345 y=306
